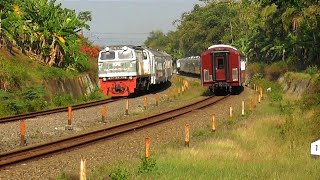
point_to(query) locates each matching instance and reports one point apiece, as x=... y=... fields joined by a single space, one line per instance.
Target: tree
x=5 y=9
x=264 y=30
x=84 y=17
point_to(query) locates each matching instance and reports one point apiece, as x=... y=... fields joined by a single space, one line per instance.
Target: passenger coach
x=223 y=68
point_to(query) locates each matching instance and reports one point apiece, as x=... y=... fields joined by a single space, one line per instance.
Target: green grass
x=195 y=89
x=18 y=73
x=261 y=149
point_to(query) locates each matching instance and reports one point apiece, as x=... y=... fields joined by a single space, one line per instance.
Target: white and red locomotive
x=222 y=68
x=126 y=70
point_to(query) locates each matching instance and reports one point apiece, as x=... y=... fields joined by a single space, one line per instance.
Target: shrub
x=95 y=95
x=30 y=99
x=312 y=70
x=34 y=98
x=254 y=68
x=12 y=75
x=147 y=165
x=276 y=69
x=90 y=51
x=310 y=101
x=119 y=174
x=62 y=100
x=82 y=63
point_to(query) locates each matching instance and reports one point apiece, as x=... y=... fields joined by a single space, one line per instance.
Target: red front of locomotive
x=220 y=68
x=118 y=88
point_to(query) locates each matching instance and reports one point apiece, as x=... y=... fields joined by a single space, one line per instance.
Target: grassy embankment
x=22 y=89
x=273 y=142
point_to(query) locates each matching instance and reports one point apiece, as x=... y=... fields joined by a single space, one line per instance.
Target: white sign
x=315 y=148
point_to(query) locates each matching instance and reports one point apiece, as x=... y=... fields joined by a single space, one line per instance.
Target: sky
x=120 y=22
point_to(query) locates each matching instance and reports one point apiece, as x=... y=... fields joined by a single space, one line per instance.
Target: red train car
x=223 y=68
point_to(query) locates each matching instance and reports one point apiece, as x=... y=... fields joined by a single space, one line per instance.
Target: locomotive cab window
x=125 y=54
x=220 y=63
x=107 y=55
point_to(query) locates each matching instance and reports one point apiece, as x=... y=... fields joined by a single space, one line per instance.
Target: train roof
x=119 y=47
x=220 y=47
x=157 y=53
x=190 y=58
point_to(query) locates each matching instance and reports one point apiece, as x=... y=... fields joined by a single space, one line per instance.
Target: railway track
x=52 y=111
x=71 y=142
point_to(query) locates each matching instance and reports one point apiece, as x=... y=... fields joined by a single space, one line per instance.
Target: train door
x=220 y=64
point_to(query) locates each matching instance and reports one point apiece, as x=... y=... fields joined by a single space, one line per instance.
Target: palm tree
x=5 y=8
x=85 y=16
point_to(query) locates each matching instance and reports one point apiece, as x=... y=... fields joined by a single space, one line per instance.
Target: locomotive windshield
x=125 y=54
x=107 y=55
x=117 y=63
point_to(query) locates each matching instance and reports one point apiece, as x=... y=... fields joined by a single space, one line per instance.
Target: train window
x=220 y=63
x=107 y=55
x=125 y=54
x=145 y=56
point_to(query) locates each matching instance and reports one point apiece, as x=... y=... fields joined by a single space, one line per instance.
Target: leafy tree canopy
x=44 y=29
x=265 y=30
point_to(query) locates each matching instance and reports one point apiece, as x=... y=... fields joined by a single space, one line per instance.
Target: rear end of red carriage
x=223 y=69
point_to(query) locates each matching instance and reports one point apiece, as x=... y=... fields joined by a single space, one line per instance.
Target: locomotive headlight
x=104 y=79
x=130 y=77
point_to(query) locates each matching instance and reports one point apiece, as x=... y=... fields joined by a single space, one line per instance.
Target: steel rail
x=57 y=110
x=74 y=141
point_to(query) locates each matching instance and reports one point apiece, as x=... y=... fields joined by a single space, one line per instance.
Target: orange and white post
x=147 y=147
x=213 y=122
x=157 y=99
x=83 y=172
x=179 y=91
x=69 y=115
x=259 y=98
x=127 y=107
x=182 y=89
x=22 y=132
x=231 y=113
x=185 y=85
x=104 y=113
x=242 y=110
x=187 y=135
x=145 y=102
